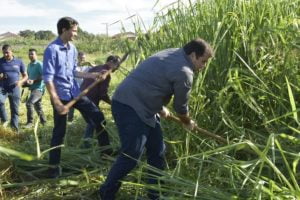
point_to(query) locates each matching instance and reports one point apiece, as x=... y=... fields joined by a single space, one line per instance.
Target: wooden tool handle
x=103 y=77
x=200 y=130
x=86 y=90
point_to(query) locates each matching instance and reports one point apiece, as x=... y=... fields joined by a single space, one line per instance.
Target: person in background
x=59 y=70
x=139 y=101
x=100 y=91
x=10 y=85
x=36 y=86
x=82 y=66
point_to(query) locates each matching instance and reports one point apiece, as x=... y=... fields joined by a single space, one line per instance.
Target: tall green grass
x=248 y=94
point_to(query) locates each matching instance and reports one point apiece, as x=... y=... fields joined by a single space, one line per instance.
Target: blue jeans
x=89 y=130
x=91 y=114
x=35 y=102
x=134 y=135
x=14 y=96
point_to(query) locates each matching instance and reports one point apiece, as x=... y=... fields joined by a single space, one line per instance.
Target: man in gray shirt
x=141 y=97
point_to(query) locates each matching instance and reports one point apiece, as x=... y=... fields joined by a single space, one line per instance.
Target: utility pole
x=106 y=25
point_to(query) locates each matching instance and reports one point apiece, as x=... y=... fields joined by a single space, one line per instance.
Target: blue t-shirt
x=35 y=71
x=11 y=71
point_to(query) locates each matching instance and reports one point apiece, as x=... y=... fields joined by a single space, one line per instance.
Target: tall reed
x=248 y=93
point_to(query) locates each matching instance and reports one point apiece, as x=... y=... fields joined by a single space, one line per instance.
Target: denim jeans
x=134 y=135
x=91 y=114
x=89 y=130
x=14 y=97
x=35 y=102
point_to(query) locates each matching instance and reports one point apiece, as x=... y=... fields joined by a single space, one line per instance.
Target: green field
x=248 y=94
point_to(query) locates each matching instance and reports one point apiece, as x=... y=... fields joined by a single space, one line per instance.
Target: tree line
x=49 y=35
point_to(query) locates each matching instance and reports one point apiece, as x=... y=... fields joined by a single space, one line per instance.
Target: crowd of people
x=137 y=104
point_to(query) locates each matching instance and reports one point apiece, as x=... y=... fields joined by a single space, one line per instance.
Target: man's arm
x=24 y=78
x=92 y=75
x=85 y=75
x=58 y=105
x=182 y=89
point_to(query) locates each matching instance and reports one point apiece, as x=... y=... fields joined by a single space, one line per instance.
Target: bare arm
x=86 y=75
x=93 y=75
x=24 y=78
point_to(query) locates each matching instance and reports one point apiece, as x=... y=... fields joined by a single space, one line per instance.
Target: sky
x=93 y=15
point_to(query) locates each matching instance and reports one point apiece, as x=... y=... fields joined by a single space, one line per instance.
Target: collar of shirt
x=13 y=58
x=34 y=62
x=63 y=46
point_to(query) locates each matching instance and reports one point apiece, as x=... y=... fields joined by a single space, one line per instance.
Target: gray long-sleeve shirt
x=152 y=84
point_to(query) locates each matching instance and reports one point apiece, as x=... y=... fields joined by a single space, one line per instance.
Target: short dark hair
x=199 y=46
x=32 y=49
x=113 y=59
x=65 y=22
x=5 y=47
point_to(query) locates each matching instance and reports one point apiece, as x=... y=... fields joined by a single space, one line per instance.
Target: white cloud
x=91 y=14
x=110 y=5
x=13 y=8
x=111 y=11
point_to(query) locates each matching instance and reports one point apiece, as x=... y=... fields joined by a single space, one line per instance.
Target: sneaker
x=28 y=125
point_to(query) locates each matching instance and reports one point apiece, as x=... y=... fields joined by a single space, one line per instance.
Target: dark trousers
x=89 y=130
x=71 y=114
x=14 y=96
x=35 y=102
x=134 y=135
x=91 y=114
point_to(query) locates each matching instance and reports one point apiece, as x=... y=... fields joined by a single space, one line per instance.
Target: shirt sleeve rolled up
x=48 y=65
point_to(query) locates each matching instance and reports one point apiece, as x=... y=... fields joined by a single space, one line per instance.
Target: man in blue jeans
x=10 y=84
x=100 y=91
x=139 y=101
x=37 y=87
x=59 y=66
